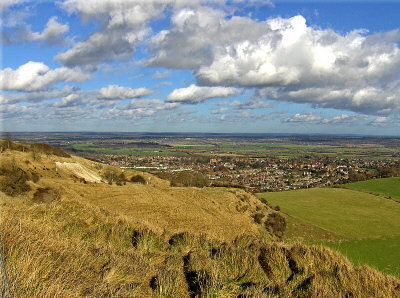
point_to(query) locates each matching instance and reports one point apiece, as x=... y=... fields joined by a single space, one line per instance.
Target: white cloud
x=161 y=75
x=196 y=94
x=256 y=101
x=195 y=32
x=381 y=122
x=124 y=24
x=312 y=118
x=119 y=92
x=33 y=76
x=219 y=111
x=68 y=101
x=6 y=4
x=140 y=108
x=289 y=53
x=355 y=71
x=304 y=118
x=35 y=96
x=52 y=34
x=378 y=100
x=102 y=47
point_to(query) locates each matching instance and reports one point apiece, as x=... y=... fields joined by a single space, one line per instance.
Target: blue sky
x=201 y=66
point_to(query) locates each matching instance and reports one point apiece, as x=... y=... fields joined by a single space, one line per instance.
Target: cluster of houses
x=255 y=174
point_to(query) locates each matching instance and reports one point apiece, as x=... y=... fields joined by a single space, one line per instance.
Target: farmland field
x=364 y=227
x=383 y=254
x=389 y=187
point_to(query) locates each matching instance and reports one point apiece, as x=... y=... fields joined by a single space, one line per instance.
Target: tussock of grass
x=70 y=249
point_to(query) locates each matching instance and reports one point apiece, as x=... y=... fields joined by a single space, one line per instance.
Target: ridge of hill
x=65 y=236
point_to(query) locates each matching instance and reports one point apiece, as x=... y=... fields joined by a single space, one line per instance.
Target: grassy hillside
x=72 y=249
x=364 y=227
x=221 y=213
x=74 y=228
x=388 y=187
x=382 y=253
x=346 y=213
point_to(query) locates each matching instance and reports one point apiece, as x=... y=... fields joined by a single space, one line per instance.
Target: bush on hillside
x=258 y=217
x=14 y=181
x=138 y=179
x=185 y=178
x=35 y=177
x=114 y=175
x=276 y=224
x=227 y=184
x=46 y=195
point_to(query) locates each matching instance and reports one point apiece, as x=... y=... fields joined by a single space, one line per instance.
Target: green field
x=383 y=254
x=388 y=187
x=363 y=226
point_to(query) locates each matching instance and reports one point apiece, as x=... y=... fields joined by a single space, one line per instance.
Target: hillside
x=75 y=228
x=224 y=214
x=363 y=226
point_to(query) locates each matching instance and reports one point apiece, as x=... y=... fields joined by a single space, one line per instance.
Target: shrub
x=188 y=178
x=276 y=224
x=46 y=195
x=114 y=175
x=258 y=217
x=184 y=178
x=14 y=181
x=138 y=179
x=35 y=177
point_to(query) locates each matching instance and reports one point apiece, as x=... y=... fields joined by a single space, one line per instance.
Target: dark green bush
x=276 y=224
x=14 y=181
x=258 y=217
x=114 y=175
x=138 y=179
x=185 y=178
x=35 y=177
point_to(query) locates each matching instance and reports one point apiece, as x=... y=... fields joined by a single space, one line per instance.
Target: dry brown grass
x=69 y=249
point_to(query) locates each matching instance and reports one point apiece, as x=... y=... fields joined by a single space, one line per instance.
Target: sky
x=240 y=66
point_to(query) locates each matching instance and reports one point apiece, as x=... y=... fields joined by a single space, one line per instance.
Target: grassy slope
x=379 y=253
x=389 y=187
x=72 y=249
x=220 y=213
x=364 y=227
x=347 y=213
